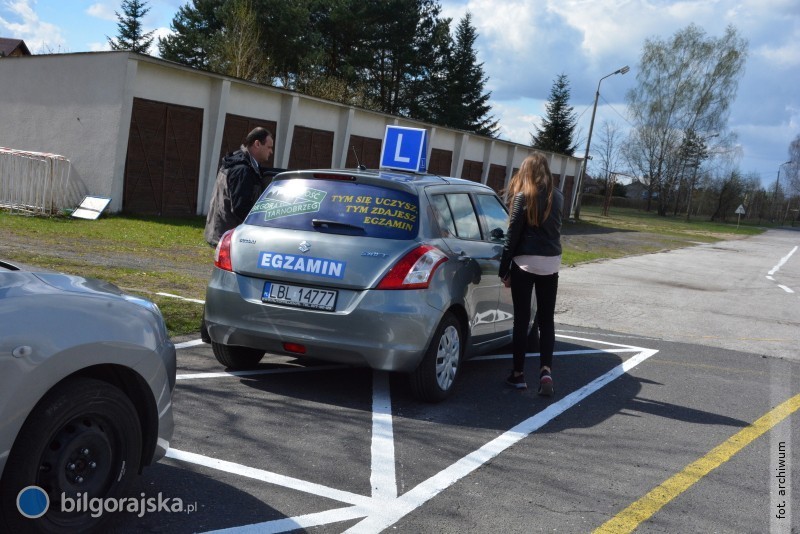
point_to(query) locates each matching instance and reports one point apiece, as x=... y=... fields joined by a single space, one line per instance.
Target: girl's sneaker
x=516 y=381
x=545 y=384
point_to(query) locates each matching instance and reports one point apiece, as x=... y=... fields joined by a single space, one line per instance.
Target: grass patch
x=650 y=221
x=151 y=255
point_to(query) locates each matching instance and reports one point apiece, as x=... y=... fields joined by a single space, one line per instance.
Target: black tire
x=434 y=378
x=234 y=357
x=83 y=436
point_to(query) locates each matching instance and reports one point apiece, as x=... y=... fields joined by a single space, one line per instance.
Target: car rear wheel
x=236 y=357
x=433 y=380
x=82 y=438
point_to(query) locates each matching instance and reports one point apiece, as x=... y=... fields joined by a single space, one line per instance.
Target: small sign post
x=404 y=149
x=739 y=212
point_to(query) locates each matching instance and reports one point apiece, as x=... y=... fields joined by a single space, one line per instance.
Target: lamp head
x=623 y=70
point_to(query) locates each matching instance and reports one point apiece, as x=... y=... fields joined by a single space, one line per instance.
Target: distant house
x=592 y=185
x=636 y=189
x=13 y=48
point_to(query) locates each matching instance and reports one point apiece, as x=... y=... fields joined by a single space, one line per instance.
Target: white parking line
x=198 y=301
x=228 y=374
x=189 y=344
x=270 y=477
x=408 y=502
x=384 y=507
x=777 y=267
x=783 y=260
x=382 y=479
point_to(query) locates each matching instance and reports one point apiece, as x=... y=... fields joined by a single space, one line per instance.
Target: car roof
x=376 y=176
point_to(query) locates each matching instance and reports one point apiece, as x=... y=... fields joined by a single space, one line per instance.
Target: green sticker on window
x=284 y=201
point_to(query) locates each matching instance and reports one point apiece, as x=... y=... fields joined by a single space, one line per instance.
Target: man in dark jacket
x=238 y=184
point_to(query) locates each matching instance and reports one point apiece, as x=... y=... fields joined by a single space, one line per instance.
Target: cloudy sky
x=525 y=44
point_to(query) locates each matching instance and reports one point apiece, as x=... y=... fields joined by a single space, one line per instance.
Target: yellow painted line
x=630 y=518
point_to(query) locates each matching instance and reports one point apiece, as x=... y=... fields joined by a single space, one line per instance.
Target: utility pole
x=579 y=185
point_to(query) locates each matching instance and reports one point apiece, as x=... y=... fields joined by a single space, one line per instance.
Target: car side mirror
x=497 y=234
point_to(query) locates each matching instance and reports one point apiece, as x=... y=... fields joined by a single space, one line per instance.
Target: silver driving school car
x=86 y=380
x=393 y=270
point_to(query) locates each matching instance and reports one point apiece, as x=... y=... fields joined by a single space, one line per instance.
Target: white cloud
x=101 y=11
x=517 y=119
x=159 y=33
x=99 y=47
x=39 y=36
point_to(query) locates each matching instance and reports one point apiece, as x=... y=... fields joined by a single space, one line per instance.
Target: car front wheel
x=433 y=380
x=234 y=357
x=82 y=438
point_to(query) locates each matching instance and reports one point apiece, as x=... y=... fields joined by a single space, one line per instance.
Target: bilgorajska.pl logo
x=139 y=506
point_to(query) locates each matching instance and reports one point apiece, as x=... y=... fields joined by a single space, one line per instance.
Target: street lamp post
x=623 y=70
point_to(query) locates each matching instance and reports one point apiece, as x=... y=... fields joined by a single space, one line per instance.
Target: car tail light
x=222 y=256
x=415 y=270
x=296 y=348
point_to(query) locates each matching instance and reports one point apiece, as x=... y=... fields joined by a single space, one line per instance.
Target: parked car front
x=87 y=374
x=396 y=271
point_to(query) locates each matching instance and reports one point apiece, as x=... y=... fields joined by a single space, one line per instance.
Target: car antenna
x=360 y=166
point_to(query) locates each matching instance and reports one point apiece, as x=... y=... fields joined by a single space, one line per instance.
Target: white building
x=149 y=133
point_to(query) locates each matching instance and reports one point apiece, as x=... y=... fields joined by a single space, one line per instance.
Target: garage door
x=364 y=150
x=441 y=162
x=472 y=170
x=163 y=160
x=497 y=177
x=237 y=128
x=311 y=149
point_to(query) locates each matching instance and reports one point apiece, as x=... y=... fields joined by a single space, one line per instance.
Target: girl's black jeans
x=523 y=285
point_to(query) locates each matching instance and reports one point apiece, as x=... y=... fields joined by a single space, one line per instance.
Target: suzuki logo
x=305 y=246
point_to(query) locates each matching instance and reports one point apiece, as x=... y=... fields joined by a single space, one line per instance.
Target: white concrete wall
x=69 y=104
x=79 y=106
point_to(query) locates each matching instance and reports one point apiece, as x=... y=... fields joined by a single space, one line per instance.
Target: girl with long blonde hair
x=530 y=261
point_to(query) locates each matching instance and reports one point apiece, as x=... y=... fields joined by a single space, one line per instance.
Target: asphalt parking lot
x=676 y=409
x=305 y=446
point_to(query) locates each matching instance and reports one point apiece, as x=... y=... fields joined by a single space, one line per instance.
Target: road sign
x=404 y=149
x=739 y=210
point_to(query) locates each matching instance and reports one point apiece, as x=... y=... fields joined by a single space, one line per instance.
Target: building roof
x=9 y=46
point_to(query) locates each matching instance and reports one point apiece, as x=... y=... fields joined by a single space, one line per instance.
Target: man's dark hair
x=259 y=134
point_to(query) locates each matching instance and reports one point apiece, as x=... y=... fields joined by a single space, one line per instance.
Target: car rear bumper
x=387 y=330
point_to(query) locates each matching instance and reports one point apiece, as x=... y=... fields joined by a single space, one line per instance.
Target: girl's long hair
x=532 y=179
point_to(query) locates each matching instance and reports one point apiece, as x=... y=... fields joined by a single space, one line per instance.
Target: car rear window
x=337 y=207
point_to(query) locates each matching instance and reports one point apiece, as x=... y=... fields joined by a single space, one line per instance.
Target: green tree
x=337 y=28
x=693 y=151
x=686 y=83
x=608 y=152
x=129 y=28
x=236 y=47
x=396 y=52
x=467 y=106
x=792 y=168
x=558 y=126
x=193 y=30
x=290 y=38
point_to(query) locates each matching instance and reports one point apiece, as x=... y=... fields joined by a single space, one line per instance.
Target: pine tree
x=194 y=28
x=558 y=126
x=129 y=28
x=454 y=95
